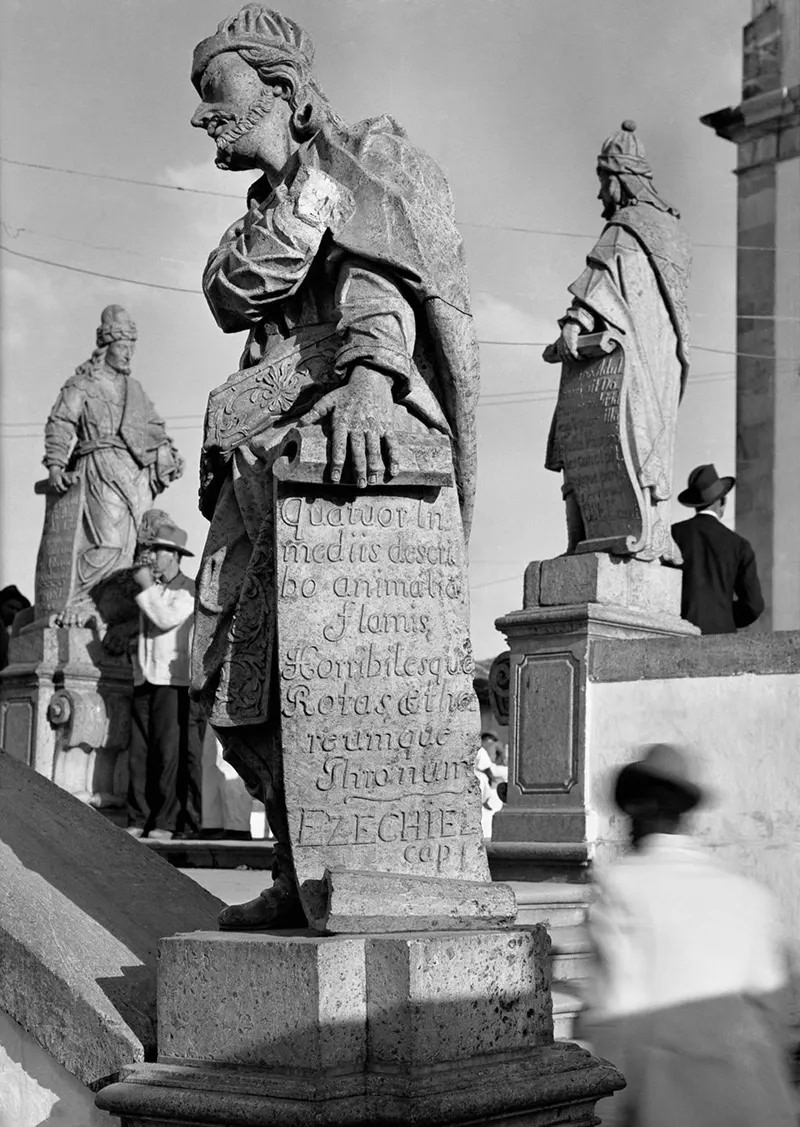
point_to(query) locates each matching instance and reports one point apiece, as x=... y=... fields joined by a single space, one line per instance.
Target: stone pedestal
x=65 y=711
x=280 y=1029
x=569 y=604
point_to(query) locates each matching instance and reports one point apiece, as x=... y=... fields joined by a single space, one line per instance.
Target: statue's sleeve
x=376 y=323
x=62 y=424
x=600 y=294
x=266 y=256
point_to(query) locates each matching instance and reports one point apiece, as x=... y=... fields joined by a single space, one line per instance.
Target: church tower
x=765 y=127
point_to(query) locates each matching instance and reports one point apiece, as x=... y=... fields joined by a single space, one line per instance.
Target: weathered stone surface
x=624 y=354
x=375 y=664
x=446 y=997
x=76 y=733
x=288 y=1003
x=82 y=906
x=349 y=241
x=590 y=434
x=56 y=563
x=363 y=902
x=108 y=453
x=35 y=1089
x=552 y=1086
x=715 y=655
x=550 y=654
x=452 y=1028
x=597 y=577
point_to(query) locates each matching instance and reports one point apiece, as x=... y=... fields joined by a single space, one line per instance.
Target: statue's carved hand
x=567 y=343
x=59 y=478
x=362 y=412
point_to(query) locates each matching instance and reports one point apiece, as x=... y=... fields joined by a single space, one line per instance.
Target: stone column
x=765 y=127
x=546 y=827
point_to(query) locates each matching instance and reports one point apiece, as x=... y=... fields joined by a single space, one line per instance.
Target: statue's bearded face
x=119 y=355
x=248 y=123
x=610 y=194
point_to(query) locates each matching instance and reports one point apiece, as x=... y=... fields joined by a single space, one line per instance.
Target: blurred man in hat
x=689 y=970
x=721 y=592
x=165 y=759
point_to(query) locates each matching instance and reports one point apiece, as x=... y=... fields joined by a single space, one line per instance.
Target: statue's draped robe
x=117 y=435
x=635 y=285
x=357 y=260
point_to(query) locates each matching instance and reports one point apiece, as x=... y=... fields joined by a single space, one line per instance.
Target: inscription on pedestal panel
x=588 y=435
x=546 y=704
x=55 y=564
x=380 y=722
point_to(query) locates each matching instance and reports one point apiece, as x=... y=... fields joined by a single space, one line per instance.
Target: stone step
x=555 y=903
x=566 y=1007
x=214 y=854
x=570 y=952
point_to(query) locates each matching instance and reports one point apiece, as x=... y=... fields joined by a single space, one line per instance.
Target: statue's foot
x=273 y=908
x=76 y=616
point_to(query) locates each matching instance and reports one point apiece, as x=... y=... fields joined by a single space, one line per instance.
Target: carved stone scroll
x=57 y=559
x=591 y=436
x=379 y=718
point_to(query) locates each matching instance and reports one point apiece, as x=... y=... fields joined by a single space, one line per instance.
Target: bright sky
x=512 y=97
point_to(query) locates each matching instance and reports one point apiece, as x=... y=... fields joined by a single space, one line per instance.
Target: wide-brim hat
x=168 y=535
x=704 y=487
x=663 y=767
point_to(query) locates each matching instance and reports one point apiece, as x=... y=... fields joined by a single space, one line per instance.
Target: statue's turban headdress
x=623 y=153
x=115 y=324
x=256 y=27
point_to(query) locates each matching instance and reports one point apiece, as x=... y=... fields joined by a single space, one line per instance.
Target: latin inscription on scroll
x=592 y=446
x=55 y=565
x=379 y=717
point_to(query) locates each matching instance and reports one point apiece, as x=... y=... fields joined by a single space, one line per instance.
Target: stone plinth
x=65 y=710
x=570 y=604
x=451 y=1027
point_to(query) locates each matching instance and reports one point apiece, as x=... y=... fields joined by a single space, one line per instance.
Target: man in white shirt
x=690 y=969
x=165 y=757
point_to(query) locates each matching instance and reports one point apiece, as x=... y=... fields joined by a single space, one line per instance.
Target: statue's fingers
x=358 y=453
x=374 y=459
x=320 y=409
x=338 y=450
x=391 y=454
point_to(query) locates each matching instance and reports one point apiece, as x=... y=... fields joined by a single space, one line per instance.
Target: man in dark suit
x=721 y=591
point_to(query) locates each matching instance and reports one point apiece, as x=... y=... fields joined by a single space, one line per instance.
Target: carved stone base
x=570 y=603
x=439 y=1028
x=65 y=711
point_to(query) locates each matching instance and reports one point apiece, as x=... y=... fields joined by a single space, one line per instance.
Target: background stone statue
x=105 y=441
x=347 y=274
x=613 y=432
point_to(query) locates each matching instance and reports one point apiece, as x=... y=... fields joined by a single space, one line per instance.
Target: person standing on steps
x=721 y=592
x=165 y=757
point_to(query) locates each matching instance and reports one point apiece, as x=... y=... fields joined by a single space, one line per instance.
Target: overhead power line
x=238 y=196
x=98 y=273
x=121 y=179
x=498 y=399
x=499 y=343
x=14 y=233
